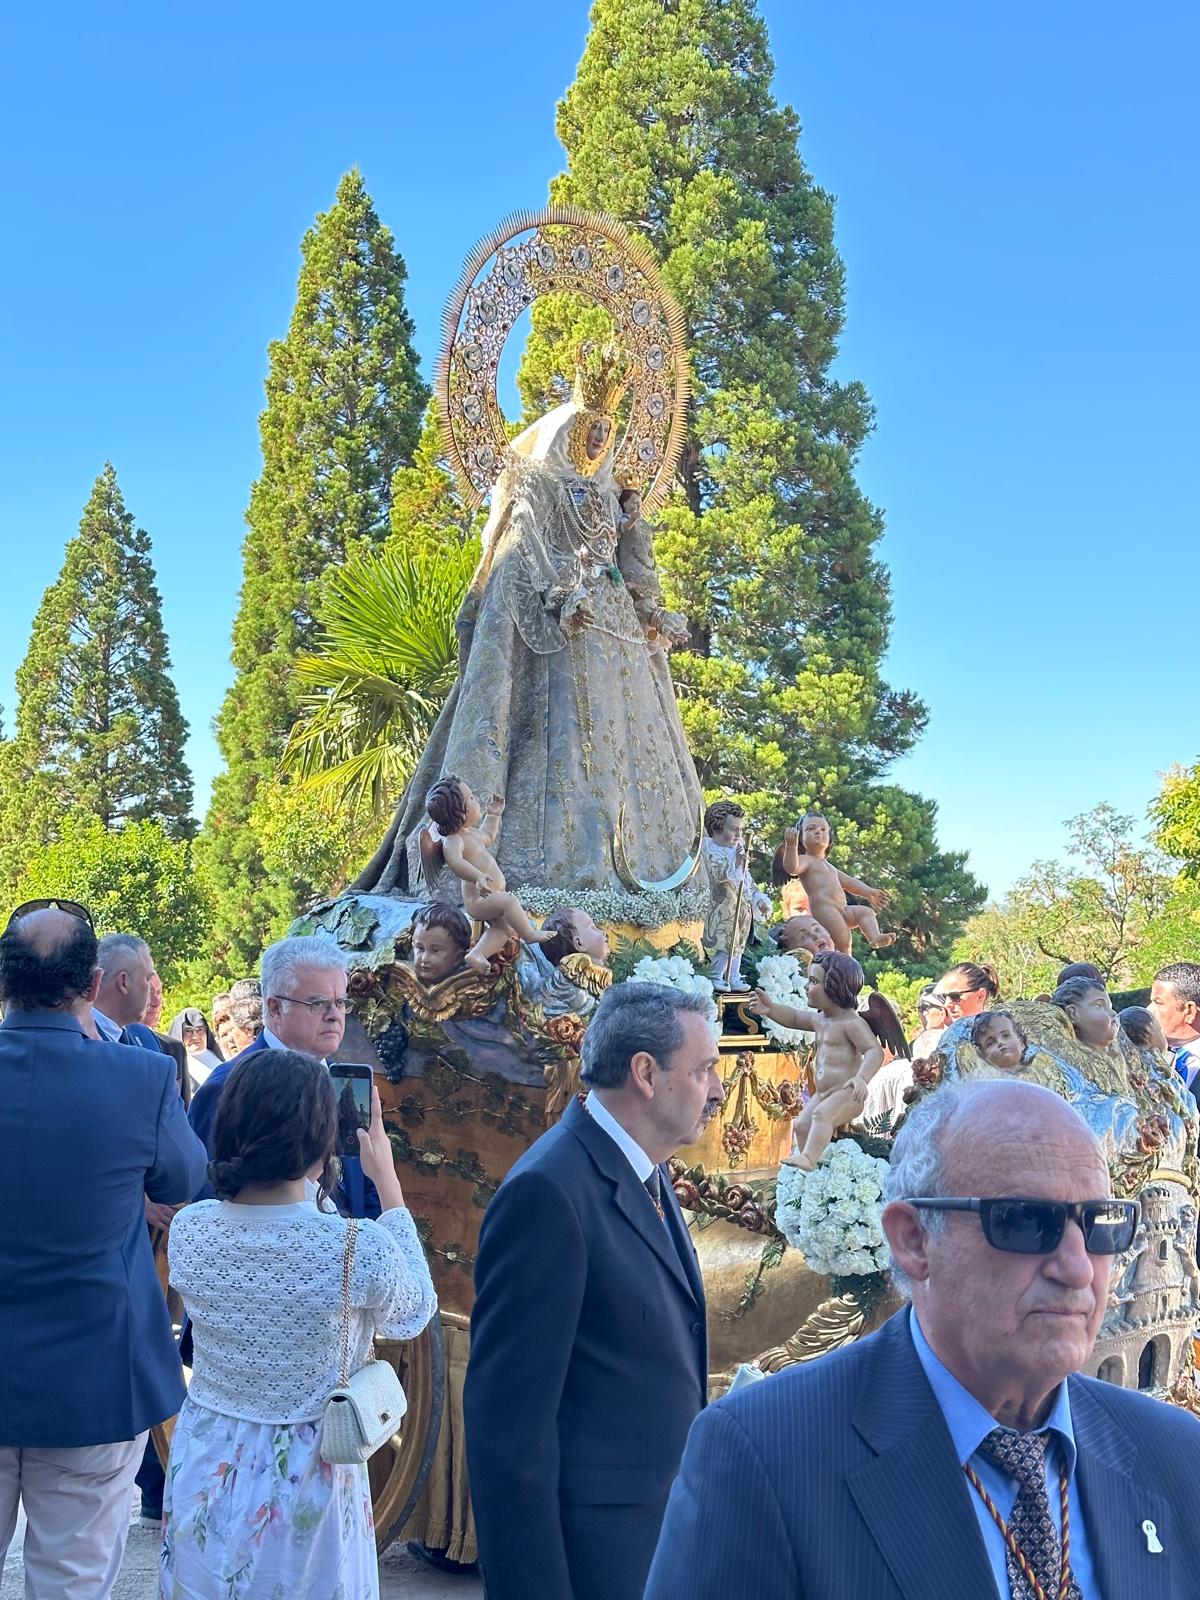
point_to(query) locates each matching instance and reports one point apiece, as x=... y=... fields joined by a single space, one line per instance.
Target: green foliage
x=767 y=544
x=1109 y=912
x=903 y=993
x=1176 y=813
x=386 y=658
x=343 y=413
x=427 y=515
x=135 y=879
x=98 y=728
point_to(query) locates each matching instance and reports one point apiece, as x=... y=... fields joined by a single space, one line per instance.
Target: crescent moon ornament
x=558 y=250
x=663 y=885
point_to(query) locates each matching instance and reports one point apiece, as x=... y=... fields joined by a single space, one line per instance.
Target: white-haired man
x=955 y=1452
x=304 y=1008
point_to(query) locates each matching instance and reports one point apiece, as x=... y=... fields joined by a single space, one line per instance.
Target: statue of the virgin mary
x=564 y=704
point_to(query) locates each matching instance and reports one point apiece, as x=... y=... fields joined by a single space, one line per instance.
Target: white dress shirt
x=628 y=1146
x=108 y=1029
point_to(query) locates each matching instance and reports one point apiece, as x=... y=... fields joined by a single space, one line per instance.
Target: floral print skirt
x=252 y=1512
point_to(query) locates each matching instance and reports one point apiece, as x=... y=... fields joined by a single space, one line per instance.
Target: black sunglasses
x=1036 y=1227
x=944 y=996
x=71 y=907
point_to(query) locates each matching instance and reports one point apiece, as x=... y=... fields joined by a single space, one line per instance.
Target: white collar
x=274 y=1042
x=625 y=1142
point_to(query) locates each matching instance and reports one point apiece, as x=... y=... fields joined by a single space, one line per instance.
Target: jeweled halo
x=559 y=249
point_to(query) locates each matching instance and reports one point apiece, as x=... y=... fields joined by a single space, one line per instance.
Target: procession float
x=572 y=849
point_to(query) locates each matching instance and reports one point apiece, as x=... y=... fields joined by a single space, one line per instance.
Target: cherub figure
x=735 y=900
x=467 y=847
x=804 y=856
x=848 y=1054
x=1000 y=1040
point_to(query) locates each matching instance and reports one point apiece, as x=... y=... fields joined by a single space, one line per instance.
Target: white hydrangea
x=832 y=1214
x=782 y=978
x=676 y=972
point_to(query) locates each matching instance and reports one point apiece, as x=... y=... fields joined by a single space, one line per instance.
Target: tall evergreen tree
x=98 y=727
x=768 y=545
x=343 y=413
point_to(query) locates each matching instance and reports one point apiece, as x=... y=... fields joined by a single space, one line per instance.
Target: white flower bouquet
x=783 y=979
x=676 y=972
x=832 y=1214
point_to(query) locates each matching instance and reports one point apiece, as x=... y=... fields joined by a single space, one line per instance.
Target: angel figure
x=804 y=856
x=848 y=1053
x=467 y=847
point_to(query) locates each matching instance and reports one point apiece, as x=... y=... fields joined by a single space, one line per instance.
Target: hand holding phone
x=375 y=1151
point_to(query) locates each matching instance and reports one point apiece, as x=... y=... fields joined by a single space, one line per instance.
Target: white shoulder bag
x=364 y=1411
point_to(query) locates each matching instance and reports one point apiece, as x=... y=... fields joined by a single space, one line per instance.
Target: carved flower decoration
x=362 y=983
x=566 y=1030
x=1153 y=1133
x=927 y=1073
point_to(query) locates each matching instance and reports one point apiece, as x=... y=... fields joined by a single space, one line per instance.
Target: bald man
x=865 y=1473
x=88 y=1363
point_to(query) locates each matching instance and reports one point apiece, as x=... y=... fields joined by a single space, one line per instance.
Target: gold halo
x=590 y=254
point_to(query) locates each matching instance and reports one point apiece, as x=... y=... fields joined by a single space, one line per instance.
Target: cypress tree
x=343 y=413
x=98 y=727
x=768 y=545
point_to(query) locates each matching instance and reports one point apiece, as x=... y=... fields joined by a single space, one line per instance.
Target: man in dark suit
x=87 y=1357
x=588 y=1348
x=865 y=1473
x=304 y=1001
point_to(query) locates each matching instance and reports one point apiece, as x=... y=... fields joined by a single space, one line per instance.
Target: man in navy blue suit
x=88 y=1363
x=304 y=1008
x=588 y=1341
x=928 y=1461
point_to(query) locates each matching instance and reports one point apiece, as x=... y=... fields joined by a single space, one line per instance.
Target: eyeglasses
x=338 y=1003
x=71 y=907
x=1036 y=1227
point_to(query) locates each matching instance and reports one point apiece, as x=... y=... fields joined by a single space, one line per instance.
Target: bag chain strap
x=347 y=1269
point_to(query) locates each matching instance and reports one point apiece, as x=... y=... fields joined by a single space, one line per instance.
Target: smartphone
x=352 y=1086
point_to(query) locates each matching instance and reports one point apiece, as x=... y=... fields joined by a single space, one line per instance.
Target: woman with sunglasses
x=968 y=989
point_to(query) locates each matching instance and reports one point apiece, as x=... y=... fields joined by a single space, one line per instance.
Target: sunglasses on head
x=1036 y=1227
x=71 y=907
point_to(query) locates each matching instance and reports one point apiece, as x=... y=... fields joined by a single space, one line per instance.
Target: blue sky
x=1017 y=212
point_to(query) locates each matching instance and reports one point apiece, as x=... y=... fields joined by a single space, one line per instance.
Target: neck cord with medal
x=1031 y=1578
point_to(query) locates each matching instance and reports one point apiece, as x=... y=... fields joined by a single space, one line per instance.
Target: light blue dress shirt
x=969 y=1426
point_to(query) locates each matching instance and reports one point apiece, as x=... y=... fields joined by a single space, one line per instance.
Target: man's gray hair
x=283 y=959
x=917 y=1168
x=633 y=1017
x=116 y=952
x=246 y=1013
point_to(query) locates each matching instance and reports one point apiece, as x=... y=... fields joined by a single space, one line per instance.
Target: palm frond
x=384 y=661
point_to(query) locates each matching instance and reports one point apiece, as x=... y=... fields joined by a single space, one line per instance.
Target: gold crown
x=602 y=375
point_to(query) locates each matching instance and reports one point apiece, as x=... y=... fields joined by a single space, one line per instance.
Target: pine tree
x=98 y=727
x=343 y=413
x=427 y=514
x=768 y=545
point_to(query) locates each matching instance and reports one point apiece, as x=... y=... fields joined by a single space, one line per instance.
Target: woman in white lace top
x=250 y=1508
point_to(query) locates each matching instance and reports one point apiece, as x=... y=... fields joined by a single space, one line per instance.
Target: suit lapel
x=629 y=1196
x=914 y=1497
x=1116 y=1504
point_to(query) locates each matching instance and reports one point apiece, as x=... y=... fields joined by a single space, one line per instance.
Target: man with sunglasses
x=956 y=1454
x=87 y=1355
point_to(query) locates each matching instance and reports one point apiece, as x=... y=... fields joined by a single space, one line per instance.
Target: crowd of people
x=957 y=1452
